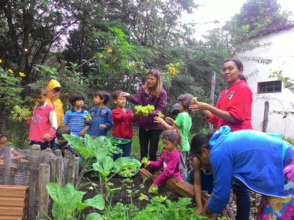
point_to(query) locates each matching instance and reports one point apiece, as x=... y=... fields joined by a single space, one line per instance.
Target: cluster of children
x=46 y=132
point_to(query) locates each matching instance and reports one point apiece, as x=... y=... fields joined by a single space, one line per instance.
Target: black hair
x=185 y=100
x=3 y=135
x=116 y=94
x=198 y=142
x=57 y=89
x=171 y=135
x=75 y=97
x=62 y=130
x=40 y=91
x=242 y=77
x=238 y=63
x=103 y=95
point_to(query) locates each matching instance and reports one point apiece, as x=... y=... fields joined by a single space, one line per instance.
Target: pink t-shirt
x=171 y=164
x=40 y=123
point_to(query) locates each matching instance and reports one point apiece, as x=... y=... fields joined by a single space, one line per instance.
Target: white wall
x=280 y=50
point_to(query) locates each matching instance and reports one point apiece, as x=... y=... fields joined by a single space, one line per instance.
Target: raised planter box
x=12 y=202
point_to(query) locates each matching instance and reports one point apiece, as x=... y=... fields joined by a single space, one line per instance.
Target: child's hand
x=26 y=118
x=88 y=120
x=158 y=120
x=102 y=126
x=83 y=132
x=170 y=120
x=145 y=162
x=153 y=189
x=47 y=137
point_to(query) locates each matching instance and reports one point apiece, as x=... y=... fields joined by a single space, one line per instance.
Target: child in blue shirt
x=101 y=121
x=76 y=117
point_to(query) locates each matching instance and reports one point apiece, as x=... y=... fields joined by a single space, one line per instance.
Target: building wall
x=276 y=54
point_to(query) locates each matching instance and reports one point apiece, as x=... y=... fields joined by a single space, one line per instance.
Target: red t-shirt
x=122 y=123
x=237 y=100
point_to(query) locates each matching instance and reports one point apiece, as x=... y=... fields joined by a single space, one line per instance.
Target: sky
x=211 y=11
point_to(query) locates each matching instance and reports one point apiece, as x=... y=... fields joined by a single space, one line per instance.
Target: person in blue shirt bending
x=101 y=115
x=264 y=163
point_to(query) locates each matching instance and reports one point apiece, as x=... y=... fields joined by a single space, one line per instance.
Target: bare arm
x=164 y=123
x=208 y=110
x=197 y=185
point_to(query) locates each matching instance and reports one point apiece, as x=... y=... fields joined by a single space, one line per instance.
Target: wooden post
x=59 y=167
x=265 y=116
x=71 y=170
x=212 y=91
x=44 y=178
x=77 y=167
x=7 y=161
x=34 y=158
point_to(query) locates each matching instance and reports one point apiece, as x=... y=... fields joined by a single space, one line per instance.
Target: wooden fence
x=36 y=170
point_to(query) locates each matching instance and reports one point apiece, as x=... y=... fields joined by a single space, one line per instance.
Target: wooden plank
x=13 y=191
x=181 y=187
x=15 y=202
x=10 y=217
x=11 y=211
x=44 y=179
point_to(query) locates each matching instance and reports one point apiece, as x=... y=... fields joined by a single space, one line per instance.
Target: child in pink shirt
x=43 y=125
x=169 y=160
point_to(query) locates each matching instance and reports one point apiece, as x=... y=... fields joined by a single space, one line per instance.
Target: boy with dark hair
x=101 y=121
x=122 y=119
x=76 y=117
x=60 y=142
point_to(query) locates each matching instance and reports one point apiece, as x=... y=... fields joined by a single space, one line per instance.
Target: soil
x=131 y=191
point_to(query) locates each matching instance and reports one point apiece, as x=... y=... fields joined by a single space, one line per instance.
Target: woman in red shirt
x=233 y=108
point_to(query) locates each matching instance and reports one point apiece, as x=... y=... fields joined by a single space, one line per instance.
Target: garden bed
x=133 y=188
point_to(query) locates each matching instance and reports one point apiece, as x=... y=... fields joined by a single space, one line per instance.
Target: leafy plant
x=68 y=202
x=144 y=110
x=19 y=113
x=164 y=209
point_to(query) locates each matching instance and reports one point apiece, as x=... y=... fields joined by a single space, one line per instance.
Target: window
x=270 y=86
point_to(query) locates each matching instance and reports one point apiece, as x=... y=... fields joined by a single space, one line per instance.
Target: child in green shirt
x=183 y=124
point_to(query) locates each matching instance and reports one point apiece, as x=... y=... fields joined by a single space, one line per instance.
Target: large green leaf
x=66 y=197
x=94 y=216
x=96 y=202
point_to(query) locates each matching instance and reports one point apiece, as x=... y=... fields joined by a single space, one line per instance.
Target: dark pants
x=146 y=137
x=242 y=200
x=43 y=145
x=126 y=148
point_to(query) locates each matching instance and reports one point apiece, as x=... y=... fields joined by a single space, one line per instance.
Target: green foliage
x=287 y=81
x=255 y=18
x=19 y=113
x=145 y=161
x=10 y=89
x=68 y=202
x=153 y=190
x=143 y=110
x=165 y=209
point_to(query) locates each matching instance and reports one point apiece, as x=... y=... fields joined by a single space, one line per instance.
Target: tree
x=256 y=18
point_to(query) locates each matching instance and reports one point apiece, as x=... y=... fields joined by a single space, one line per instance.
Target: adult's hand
x=125 y=94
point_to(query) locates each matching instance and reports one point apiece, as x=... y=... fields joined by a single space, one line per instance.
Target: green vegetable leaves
x=153 y=190
x=19 y=113
x=144 y=110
